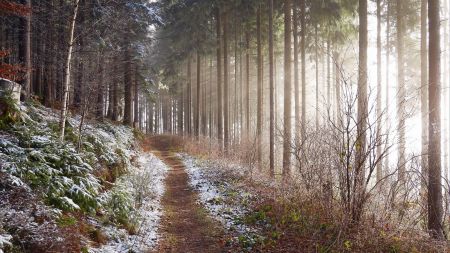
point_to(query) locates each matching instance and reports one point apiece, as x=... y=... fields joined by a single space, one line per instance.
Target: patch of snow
x=70 y=203
x=4 y=240
x=217 y=195
x=153 y=171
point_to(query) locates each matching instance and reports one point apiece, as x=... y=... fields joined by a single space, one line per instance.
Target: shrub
x=119 y=205
x=64 y=175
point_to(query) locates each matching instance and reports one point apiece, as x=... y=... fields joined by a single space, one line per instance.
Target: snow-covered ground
x=146 y=182
x=4 y=240
x=220 y=193
x=43 y=180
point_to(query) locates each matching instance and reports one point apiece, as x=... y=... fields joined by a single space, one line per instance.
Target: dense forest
x=224 y=126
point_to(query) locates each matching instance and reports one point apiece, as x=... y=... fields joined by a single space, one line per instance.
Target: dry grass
x=304 y=220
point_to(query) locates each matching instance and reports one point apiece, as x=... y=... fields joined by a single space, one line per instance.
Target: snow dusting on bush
x=144 y=185
x=31 y=152
x=89 y=188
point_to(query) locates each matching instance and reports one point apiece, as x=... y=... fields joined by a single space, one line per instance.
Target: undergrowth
x=287 y=218
x=66 y=178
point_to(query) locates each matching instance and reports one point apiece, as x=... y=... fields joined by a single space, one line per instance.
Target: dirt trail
x=185 y=226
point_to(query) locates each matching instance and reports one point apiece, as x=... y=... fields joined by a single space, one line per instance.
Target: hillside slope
x=59 y=197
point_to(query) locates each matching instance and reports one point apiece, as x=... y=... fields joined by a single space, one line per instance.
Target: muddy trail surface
x=185 y=225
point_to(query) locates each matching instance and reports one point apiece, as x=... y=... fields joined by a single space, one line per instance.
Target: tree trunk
x=328 y=56
x=287 y=90
x=236 y=93
x=259 y=89
x=142 y=108
x=128 y=86
x=296 y=76
x=388 y=53
x=48 y=87
x=27 y=50
x=316 y=60
x=219 y=77
x=435 y=210
x=210 y=100
x=158 y=124
x=136 y=98
x=247 y=83
x=180 y=108
x=448 y=94
x=204 y=108
x=78 y=88
x=62 y=121
x=198 y=98
x=401 y=91
x=225 y=81
x=150 y=117
x=271 y=88
x=189 y=103
x=379 y=171
x=424 y=87
x=100 y=90
x=110 y=98
x=445 y=89
x=337 y=87
x=303 y=59
x=362 y=114
x=115 y=92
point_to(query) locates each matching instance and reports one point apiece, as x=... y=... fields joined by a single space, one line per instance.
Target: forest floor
x=185 y=225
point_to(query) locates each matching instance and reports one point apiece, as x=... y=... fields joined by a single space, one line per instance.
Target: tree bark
x=180 y=108
x=27 y=50
x=259 y=108
x=150 y=117
x=316 y=60
x=424 y=87
x=379 y=169
x=337 y=80
x=247 y=84
x=198 y=98
x=189 y=108
x=110 y=98
x=136 y=98
x=303 y=66
x=296 y=76
x=115 y=91
x=225 y=82
x=388 y=53
x=272 y=97
x=401 y=91
x=435 y=209
x=362 y=114
x=328 y=56
x=128 y=86
x=287 y=91
x=100 y=91
x=62 y=121
x=219 y=78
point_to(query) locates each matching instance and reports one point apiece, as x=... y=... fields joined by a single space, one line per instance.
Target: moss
x=66 y=221
x=138 y=134
x=9 y=112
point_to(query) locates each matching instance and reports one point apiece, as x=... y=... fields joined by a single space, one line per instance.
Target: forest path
x=185 y=225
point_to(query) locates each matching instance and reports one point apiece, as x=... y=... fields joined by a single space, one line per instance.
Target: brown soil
x=185 y=226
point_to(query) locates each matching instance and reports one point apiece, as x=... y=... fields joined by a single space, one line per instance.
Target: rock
x=10 y=88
